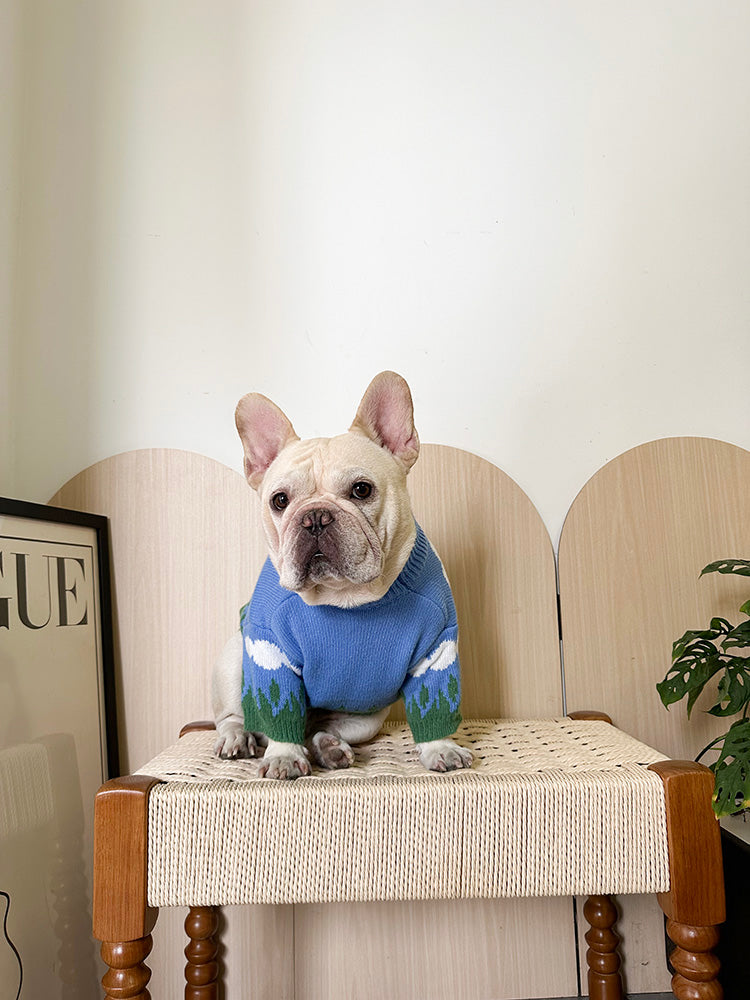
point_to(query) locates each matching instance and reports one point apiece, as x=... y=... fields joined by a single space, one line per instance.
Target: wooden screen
x=186 y=549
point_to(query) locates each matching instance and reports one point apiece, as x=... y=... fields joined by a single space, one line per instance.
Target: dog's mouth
x=322 y=559
x=321 y=569
x=337 y=553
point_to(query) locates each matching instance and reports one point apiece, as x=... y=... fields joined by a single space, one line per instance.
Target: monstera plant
x=697 y=657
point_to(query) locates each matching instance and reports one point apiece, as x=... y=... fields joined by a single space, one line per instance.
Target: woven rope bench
x=551 y=807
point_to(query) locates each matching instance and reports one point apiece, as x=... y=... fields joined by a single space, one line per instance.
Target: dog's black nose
x=316 y=521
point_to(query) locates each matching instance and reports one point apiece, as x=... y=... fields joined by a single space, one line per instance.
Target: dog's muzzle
x=327 y=544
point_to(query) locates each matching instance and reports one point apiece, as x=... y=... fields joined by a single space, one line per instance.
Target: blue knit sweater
x=353 y=659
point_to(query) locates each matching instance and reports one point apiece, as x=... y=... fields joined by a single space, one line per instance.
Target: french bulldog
x=352 y=608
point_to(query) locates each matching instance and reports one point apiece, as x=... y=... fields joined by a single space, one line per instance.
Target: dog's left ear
x=386 y=415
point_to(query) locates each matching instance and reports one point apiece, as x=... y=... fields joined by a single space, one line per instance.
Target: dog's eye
x=279 y=501
x=362 y=490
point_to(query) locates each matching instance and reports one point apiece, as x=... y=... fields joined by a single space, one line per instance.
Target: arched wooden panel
x=631 y=551
x=186 y=549
x=499 y=559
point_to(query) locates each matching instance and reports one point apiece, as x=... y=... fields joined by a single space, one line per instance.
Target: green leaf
x=734 y=687
x=732 y=771
x=745 y=609
x=719 y=626
x=739 y=637
x=703 y=674
x=738 y=567
x=690 y=673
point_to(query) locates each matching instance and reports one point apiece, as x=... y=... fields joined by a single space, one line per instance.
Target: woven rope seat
x=550 y=807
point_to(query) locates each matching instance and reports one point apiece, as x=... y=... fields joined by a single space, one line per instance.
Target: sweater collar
x=410 y=575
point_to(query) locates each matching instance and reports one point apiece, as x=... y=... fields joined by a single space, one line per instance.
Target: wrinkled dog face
x=335 y=510
x=324 y=512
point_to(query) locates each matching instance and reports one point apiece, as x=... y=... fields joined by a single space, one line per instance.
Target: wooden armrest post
x=694 y=905
x=123 y=920
x=587 y=715
x=201 y=726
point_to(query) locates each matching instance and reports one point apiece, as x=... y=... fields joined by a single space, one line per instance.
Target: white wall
x=11 y=102
x=538 y=212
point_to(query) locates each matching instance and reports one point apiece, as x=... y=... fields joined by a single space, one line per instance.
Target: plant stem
x=711 y=744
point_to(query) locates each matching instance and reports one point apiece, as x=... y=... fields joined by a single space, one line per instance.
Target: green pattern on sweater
x=432 y=724
x=289 y=719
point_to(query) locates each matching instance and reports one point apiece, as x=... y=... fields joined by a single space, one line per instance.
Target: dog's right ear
x=264 y=430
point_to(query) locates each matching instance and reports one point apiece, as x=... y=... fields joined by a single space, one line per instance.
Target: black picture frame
x=13 y=515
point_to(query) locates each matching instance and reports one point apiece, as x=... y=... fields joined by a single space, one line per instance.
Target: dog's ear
x=386 y=415
x=264 y=430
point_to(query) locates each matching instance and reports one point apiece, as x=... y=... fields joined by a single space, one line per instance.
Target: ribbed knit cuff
x=287 y=726
x=433 y=726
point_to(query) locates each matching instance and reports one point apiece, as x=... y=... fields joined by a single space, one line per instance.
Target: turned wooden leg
x=696 y=967
x=202 y=969
x=123 y=920
x=127 y=976
x=602 y=955
x=694 y=904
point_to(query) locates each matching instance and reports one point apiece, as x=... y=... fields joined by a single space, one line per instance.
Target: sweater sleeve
x=273 y=694
x=432 y=690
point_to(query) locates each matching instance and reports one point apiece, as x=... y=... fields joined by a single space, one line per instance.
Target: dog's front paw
x=331 y=752
x=284 y=761
x=443 y=755
x=232 y=742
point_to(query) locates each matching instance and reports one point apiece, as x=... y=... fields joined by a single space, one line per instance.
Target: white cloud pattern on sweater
x=440 y=659
x=268 y=655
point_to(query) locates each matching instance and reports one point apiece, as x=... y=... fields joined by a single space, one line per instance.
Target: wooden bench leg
x=123 y=920
x=202 y=969
x=694 y=904
x=602 y=956
x=127 y=975
x=695 y=965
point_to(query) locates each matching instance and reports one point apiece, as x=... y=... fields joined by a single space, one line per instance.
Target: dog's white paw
x=331 y=752
x=284 y=761
x=443 y=755
x=232 y=742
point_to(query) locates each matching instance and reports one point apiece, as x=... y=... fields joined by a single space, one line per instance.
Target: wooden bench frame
x=694 y=905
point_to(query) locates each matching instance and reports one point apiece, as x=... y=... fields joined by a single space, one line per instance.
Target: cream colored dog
x=351 y=610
